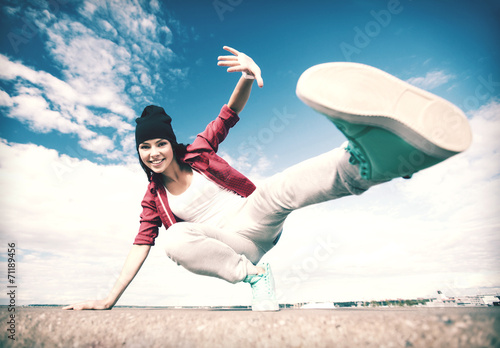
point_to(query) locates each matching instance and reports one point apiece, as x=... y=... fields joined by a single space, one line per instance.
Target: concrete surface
x=383 y=327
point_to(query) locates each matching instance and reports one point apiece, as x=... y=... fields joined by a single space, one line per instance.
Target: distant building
x=467 y=301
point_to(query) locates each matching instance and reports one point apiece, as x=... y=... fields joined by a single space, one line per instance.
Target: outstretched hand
x=241 y=62
x=98 y=304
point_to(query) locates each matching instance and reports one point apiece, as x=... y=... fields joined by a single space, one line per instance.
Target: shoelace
x=358 y=157
x=364 y=167
x=262 y=287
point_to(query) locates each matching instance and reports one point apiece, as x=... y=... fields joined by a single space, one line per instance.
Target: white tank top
x=204 y=202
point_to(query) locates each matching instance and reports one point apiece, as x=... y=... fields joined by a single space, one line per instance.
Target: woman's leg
x=210 y=251
x=319 y=179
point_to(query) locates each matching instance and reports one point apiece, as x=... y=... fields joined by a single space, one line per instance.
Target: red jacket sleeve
x=216 y=131
x=150 y=220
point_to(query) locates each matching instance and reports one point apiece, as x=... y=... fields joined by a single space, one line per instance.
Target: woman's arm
x=133 y=263
x=240 y=62
x=240 y=95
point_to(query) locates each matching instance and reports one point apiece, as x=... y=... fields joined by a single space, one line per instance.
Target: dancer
x=220 y=224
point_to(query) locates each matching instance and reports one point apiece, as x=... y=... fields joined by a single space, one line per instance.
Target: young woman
x=219 y=224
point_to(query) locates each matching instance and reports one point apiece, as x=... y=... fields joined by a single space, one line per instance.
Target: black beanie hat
x=154 y=123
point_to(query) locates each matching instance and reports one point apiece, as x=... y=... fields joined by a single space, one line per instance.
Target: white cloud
x=109 y=28
x=155 y=6
x=10 y=10
x=69 y=189
x=254 y=171
x=88 y=9
x=136 y=90
x=70 y=216
x=5 y=99
x=406 y=238
x=100 y=144
x=72 y=246
x=431 y=80
x=34 y=109
x=167 y=33
x=474 y=172
x=69 y=113
x=110 y=57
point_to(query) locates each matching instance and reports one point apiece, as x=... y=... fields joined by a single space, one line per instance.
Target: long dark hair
x=179 y=152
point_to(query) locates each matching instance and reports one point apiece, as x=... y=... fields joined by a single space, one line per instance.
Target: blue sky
x=75 y=74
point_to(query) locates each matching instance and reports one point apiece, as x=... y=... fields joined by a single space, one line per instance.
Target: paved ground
x=386 y=327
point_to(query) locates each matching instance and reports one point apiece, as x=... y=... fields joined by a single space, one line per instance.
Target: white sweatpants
x=229 y=252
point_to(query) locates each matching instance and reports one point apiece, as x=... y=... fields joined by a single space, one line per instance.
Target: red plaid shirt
x=201 y=156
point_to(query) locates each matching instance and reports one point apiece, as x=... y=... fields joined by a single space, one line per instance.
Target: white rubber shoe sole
x=363 y=95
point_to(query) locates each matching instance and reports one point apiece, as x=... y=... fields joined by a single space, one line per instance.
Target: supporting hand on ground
x=96 y=304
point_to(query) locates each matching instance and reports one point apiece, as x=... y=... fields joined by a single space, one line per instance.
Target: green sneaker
x=263 y=291
x=394 y=129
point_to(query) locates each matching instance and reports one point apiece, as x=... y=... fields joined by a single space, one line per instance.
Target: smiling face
x=157 y=154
